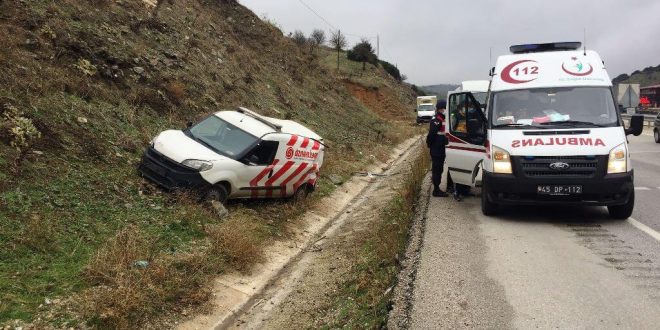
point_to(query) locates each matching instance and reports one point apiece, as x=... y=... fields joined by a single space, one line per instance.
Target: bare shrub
x=299 y=38
x=20 y=132
x=176 y=92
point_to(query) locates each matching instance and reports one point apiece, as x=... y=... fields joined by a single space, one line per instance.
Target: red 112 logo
x=520 y=72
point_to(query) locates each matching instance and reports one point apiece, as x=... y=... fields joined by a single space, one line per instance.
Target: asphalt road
x=548 y=267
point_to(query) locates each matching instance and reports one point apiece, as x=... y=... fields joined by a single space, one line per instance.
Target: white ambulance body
x=550 y=133
x=237 y=154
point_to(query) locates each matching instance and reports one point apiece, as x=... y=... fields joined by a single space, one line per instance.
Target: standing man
x=437 y=141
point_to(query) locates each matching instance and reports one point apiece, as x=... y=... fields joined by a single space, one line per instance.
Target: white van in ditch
x=236 y=154
x=550 y=133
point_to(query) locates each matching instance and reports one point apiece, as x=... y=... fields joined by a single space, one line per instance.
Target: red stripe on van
x=295 y=173
x=317 y=145
x=305 y=143
x=304 y=177
x=277 y=175
x=293 y=140
x=255 y=182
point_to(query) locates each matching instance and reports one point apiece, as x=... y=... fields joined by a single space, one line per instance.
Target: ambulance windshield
x=554 y=107
x=221 y=136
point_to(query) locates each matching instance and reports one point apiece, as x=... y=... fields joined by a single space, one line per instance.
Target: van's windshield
x=481 y=98
x=553 y=108
x=221 y=136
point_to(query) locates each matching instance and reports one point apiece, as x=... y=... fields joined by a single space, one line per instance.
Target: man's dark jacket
x=437 y=142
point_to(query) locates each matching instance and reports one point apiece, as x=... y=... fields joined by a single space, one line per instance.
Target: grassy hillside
x=647 y=77
x=85 y=85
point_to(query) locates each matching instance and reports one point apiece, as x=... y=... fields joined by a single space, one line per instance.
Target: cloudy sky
x=435 y=41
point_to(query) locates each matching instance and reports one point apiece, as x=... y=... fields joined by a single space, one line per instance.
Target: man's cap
x=442 y=104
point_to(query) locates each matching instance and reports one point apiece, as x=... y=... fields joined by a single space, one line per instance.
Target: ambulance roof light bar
x=548 y=47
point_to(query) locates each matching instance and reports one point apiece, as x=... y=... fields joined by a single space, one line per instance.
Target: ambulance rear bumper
x=609 y=190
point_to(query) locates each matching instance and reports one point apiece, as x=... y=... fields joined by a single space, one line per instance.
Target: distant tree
x=317 y=37
x=338 y=42
x=299 y=38
x=391 y=69
x=404 y=77
x=363 y=52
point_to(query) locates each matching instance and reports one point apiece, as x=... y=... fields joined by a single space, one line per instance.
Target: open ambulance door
x=466 y=131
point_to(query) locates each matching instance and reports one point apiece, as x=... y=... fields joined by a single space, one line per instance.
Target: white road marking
x=644 y=228
x=642 y=188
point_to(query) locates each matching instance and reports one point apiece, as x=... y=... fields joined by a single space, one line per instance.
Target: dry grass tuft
x=238 y=240
x=176 y=92
x=130 y=283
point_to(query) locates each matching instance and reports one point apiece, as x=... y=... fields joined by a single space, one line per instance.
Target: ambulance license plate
x=559 y=190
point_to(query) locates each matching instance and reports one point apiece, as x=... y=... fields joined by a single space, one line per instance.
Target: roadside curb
x=403 y=293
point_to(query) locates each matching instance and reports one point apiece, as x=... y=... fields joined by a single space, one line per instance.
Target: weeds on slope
x=363 y=302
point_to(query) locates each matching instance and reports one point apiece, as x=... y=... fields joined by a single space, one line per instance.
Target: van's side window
x=263 y=153
x=458 y=115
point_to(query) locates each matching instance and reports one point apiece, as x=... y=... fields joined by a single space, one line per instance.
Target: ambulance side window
x=263 y=153
x=457 y=115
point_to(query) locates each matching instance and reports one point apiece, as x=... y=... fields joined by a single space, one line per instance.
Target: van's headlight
x=618 y=162
x=501 y=161
x=196 y=164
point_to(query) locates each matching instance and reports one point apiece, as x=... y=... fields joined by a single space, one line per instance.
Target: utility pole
x=378 y=46
x=338 y=49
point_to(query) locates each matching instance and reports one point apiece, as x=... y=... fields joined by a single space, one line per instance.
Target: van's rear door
x=466 y=131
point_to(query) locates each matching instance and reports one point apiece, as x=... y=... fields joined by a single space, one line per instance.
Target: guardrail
x=649 y=120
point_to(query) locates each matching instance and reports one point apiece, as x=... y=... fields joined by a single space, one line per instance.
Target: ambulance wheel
x=217 y=193
x=622 y=212
x=488 y=208
x=656 y=135
x=301 y=194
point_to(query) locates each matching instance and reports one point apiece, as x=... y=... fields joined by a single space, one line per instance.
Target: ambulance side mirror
x=636 y=125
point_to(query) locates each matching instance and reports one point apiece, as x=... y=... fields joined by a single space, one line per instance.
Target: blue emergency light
x=549 y=47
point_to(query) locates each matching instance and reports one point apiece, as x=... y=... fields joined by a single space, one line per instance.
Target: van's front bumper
x=607 y=190
x=168 y=173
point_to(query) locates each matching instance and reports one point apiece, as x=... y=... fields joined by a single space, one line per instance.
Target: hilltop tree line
x=362 y=51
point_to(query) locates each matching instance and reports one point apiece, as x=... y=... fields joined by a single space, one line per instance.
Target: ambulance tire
x=622 y=212
x=217 y=193
x=488 y=208
x=656 y=135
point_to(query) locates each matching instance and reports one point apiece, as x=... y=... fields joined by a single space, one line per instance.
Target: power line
x=318 y=15
x=330 y=24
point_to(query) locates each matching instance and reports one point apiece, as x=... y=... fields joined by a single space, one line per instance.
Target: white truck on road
x=425 y=108
x=550 y=133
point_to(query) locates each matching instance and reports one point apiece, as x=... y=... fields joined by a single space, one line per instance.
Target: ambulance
x=550 y=133
x=236 y=154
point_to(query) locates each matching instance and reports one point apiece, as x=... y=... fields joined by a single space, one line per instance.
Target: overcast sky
x=435 y=41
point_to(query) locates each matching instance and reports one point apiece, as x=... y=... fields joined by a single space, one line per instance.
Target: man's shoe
x=458 y=197
x=439 y=193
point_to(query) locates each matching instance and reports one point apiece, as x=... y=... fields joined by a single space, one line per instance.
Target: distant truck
x=425 y=108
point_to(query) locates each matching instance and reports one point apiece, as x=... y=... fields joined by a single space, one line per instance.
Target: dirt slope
x=97 y=80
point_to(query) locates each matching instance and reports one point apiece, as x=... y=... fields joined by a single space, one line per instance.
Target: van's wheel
x=656 y=135
x=622 y=212
x=301 y=194
x=488 y=208
x=217 y=193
